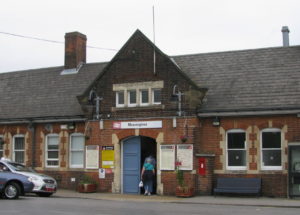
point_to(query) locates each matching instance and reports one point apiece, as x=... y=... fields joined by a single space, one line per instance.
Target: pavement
x=218 y=200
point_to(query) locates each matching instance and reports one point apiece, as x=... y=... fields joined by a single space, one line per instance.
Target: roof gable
x=126 y=53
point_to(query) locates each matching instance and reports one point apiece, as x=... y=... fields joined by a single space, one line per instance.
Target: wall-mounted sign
x=185 y=156
x=92 y=157
x=137 y=124
x=167 y=157
x=101 y=173
x=107 y=156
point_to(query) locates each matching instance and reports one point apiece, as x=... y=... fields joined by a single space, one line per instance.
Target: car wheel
x=12 y=191
x=44 y=194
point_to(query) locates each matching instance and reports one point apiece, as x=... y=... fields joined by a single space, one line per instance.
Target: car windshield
x=20 y=167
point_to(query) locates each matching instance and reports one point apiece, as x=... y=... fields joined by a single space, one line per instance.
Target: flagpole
x=154 y=55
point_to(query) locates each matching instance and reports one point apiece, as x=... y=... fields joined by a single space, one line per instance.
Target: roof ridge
x=47 y=68
x=233 y=51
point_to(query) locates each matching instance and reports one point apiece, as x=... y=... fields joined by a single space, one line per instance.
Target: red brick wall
x=274 y=183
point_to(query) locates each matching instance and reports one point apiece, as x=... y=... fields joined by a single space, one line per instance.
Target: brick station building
x=226 y=114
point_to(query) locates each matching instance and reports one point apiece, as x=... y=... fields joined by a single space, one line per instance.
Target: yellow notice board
x=108 y=157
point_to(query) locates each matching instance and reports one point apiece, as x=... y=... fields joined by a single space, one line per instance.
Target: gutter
x=250 y=113
x=45 y=120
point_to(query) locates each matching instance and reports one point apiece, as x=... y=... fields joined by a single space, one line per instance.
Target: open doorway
x=148 y=147
x=134 y=152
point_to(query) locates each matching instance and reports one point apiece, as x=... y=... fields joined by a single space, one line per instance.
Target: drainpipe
x=31 y=127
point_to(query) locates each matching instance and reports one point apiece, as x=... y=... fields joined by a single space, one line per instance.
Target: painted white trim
x=70 y=151
x=13 y=147
x=245 y=149
x=46 y=152
x=261 y=148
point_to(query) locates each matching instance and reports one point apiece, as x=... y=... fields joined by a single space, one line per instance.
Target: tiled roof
x=257 y=79
x=44 y=92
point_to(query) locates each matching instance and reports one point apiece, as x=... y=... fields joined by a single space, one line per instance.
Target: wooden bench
x=238 y=186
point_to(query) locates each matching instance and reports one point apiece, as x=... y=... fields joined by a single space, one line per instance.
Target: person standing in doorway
x=147 y=175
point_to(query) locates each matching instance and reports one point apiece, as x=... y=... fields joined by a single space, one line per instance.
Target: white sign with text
x=137 y=124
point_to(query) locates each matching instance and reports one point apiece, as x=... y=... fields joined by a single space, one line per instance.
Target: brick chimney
x=75 y=49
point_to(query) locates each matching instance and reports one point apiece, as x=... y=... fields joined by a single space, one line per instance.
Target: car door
x=3 y=175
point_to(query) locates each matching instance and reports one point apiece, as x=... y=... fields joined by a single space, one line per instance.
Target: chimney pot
x=75 y=49
x=285 y=36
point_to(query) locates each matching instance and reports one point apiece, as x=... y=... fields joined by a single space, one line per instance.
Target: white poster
x=185 y=156
x=137 y=124
x=92 y=157
x=167 y=157
x=101 y=173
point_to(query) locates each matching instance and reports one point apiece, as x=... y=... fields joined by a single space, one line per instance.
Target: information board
x=167 y=157
x=107 y=157
x=92 y=157
x=185 y=156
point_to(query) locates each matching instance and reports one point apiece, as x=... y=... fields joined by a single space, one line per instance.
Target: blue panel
x=131 y=165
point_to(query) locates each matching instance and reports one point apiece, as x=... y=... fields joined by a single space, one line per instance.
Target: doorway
x=134 y=151
x=294 y=170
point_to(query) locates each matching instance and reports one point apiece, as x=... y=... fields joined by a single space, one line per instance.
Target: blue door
x=131 y=165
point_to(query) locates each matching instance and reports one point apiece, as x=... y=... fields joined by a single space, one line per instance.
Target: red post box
x=202 y=166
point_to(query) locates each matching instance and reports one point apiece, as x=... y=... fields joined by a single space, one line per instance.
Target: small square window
x=156 y=96
x=144 y=97
x=132 y=98
x=120 y=101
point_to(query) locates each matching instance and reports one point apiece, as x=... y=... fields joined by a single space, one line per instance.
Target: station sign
x=137 y=124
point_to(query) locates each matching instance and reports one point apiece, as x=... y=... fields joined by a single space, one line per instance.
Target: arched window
x=271 y=149
x=52 y=150
x=236 y=149
x=77 y=150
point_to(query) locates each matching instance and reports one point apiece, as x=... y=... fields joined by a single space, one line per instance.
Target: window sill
x=236 y=168
x=52 y=168
x=271 y=168
x=156 y=107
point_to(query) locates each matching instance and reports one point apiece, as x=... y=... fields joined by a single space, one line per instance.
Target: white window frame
x=117 y=98
x=153 y=102
x=46 y=152
x=141 y=97
x=14 y=150
x=70 y=151
x=227 y=149
x=128 y=98
x=2 y=150
x=263 y=167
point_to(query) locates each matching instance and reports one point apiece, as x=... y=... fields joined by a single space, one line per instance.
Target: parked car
x=44 y=185
x=12 y=185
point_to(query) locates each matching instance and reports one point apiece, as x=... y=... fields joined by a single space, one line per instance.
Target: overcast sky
x=182 y=27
